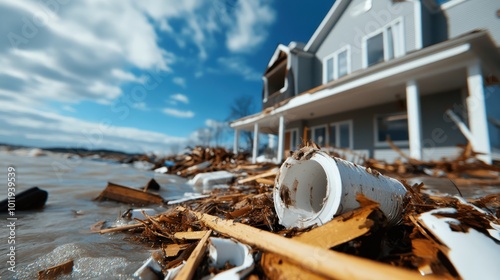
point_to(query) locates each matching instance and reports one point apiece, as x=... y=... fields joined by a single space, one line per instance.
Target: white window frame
x=296 y=130
x=313 y=133
x=384 y=143
x=335 y=56
x=399 y=45
x=336 y=125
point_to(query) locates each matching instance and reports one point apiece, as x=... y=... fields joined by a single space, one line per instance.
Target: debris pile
x=433 y=236
x=204 y=159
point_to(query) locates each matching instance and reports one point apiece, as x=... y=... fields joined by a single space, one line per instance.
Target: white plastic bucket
x=316 y=187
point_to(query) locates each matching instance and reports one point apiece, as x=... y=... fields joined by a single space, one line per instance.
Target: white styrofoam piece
x=222 y=250
x=212 y=178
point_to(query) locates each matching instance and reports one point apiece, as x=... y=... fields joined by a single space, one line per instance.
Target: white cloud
x=253 y=17
x=179 y=97
x=127 y=76
x=140 y=106
x=41 y=128
x=178 y=113
x=214 y=124
x=179 y=81
x=76 y=52
x=68 y=108
x=238 y=66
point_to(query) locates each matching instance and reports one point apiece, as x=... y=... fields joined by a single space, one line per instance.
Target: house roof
x=446 y=60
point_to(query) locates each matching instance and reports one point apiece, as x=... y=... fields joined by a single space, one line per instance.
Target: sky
x=136 y=76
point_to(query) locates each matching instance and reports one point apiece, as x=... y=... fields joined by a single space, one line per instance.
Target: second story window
x=384 y=44
x=337 y=65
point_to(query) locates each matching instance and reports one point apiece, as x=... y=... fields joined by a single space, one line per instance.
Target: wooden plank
x=122 y=228
x=321 y=261
x=190 y=235
x=172 y=250
x=54 y=271
x=340 y=230
x=129 y=195
x=269 y=173
x=194 y=259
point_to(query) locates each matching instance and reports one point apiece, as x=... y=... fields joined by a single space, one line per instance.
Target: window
x=394 y=126
x=337 y=64
x=319 y=135
x=384 y=44
x=341 y=134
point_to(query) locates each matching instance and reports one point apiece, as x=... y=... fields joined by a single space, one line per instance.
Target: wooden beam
x=122 y=228
x=54 y=271
x=269 y=173
x=321 y=261
x=194 y=260
x=190 y=235
x=129 y=195
x=338 y=231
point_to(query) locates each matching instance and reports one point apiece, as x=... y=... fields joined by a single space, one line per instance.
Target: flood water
x=61 y=230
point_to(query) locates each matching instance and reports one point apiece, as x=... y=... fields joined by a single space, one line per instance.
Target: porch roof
x=436 y=68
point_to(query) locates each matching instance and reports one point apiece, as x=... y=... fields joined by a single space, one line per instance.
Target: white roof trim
x=326 y=21
x=279 y=49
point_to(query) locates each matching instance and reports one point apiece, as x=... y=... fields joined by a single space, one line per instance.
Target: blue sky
x=138 y=76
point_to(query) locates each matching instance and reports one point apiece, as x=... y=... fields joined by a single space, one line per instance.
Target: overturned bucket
x=312 y=187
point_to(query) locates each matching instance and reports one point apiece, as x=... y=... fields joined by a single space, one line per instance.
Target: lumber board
x=269 y=173
x=190 y=235
x=338 y=231
x=54 y=271
x=194 y=259
x=122 y=228
x=129 y=195
x=321 y=261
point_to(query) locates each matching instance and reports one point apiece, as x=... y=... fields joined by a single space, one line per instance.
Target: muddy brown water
x=61 y=230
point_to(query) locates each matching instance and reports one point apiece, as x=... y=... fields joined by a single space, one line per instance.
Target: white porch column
x=281 y=139
x=414 y=119
x=255 y=142
x=476 y=110
x=236 y=142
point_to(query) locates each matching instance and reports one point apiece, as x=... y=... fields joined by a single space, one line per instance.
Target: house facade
x=423 y=73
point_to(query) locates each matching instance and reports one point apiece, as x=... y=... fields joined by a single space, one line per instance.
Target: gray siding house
x=424 y=73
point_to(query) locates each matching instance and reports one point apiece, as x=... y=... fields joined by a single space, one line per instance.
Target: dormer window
x=384 y=44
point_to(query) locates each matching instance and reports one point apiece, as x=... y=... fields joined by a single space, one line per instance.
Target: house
x=387 y=68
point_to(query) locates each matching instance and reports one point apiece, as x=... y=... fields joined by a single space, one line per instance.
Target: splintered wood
x=55 y=271
x=129 y=195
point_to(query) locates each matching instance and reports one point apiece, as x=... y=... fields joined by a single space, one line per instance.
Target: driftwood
x=122 y=228
x=129 y=195
x=195 y=258
x=312 y=258
x=54 y=271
